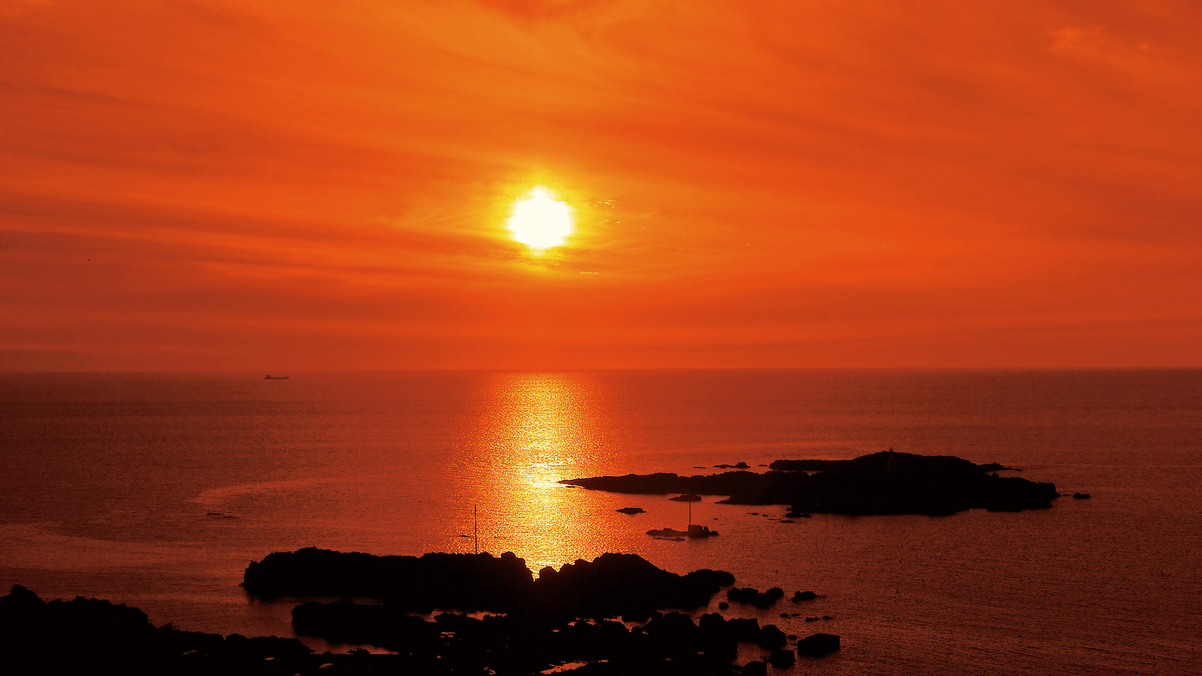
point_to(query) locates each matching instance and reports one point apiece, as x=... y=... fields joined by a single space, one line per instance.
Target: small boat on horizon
x=271 y=377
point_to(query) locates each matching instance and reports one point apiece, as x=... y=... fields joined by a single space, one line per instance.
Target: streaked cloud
x=215 y=184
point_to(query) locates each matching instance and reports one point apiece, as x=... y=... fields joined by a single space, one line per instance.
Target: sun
x=540 y=221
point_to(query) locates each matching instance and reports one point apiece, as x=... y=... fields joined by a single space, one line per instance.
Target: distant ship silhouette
x=271 y=377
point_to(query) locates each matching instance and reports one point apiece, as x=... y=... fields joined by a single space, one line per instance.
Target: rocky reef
x=880 y=483
x=81 y=635
x=559 y=620
x=564 y=617
x=671 y=643
x=611 y=585
x=460 y=581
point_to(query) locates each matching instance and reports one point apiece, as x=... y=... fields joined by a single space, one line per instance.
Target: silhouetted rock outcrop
x=460 y=581
x=83 y=635
x=611 y=585
x=755 y=597
x=523 y=644
x=755 y=668
x=817 y=645
x=880 y=483
x=86 y=635
x=615 y=583
x=782 y=659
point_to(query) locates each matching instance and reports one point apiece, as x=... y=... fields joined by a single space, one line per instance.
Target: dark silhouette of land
x=559 y=617
x=612 y=585
x=565 y=617
x=84 y=635
x=876 y=484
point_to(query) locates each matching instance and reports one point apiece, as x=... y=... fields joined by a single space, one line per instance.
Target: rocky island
x=881 y=483
x=617 y=614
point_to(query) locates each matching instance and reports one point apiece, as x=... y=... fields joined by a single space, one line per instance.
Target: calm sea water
x=157 y=489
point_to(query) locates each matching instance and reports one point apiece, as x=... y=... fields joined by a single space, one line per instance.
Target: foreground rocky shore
x=93 y=636
x=612 y=585
x=618 y=614
x=876 y=484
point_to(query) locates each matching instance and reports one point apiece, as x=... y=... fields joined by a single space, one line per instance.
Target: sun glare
x=540 y=221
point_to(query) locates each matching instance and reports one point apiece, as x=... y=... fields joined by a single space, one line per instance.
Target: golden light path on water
x=529 y=431
x=537 y=434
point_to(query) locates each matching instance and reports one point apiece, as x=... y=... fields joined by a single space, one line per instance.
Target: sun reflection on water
x=537 y=431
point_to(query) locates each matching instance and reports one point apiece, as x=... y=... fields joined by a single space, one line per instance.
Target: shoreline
x=617 y=614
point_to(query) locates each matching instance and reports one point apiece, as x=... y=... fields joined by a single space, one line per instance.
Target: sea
x=157 y=489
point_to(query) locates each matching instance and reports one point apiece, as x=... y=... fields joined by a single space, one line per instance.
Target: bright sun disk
x=540 y=221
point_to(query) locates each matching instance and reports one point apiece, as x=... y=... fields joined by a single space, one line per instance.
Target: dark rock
x=818 y=645
x=770 y=637
x=460 y=581
x=782 y=659
x=744 y=629
x=880 y=483
x=78 y=635
x=675 y=635
x=687 y=497
x=754 y=597
x=799 y=596
x=630 y=510
x=755 y=668
x=1081 y=496
x=611 y=585
x=615 y=583
x=637 y=615
x=723 y=605
x=519 y=644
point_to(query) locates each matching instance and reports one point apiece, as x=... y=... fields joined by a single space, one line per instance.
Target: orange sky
x=322 y=185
